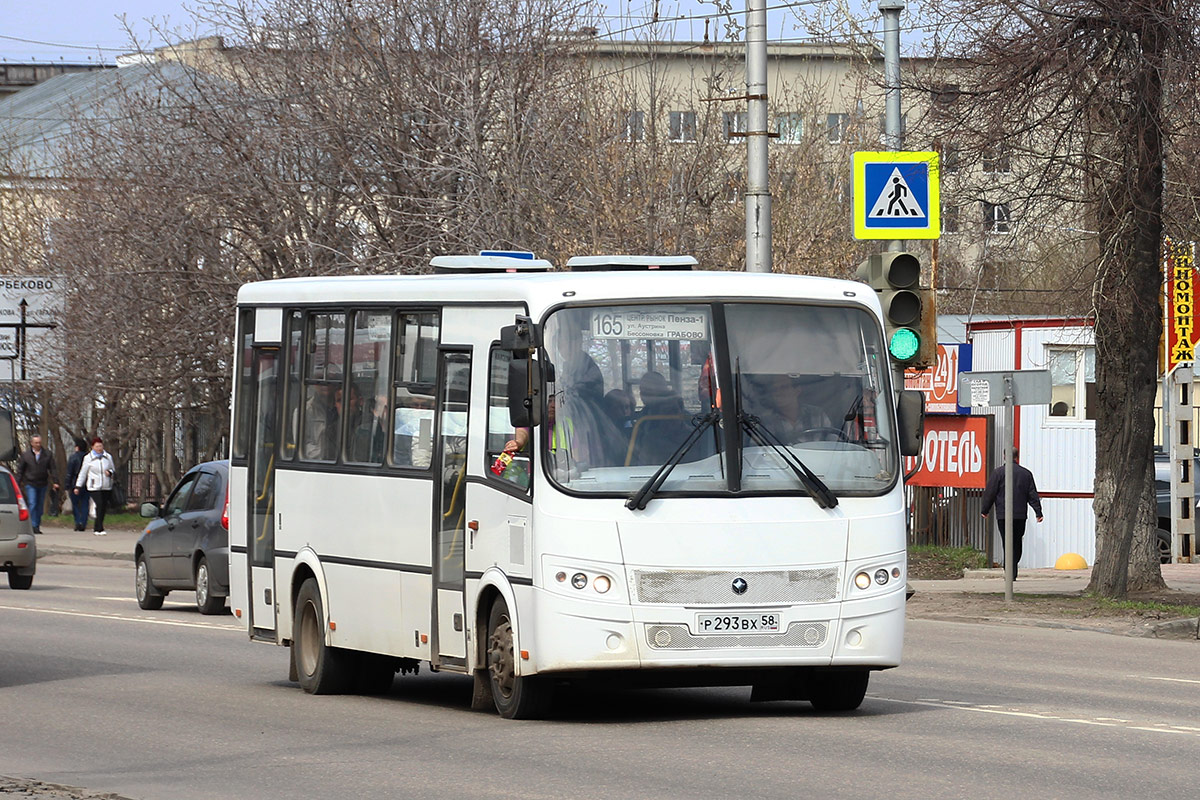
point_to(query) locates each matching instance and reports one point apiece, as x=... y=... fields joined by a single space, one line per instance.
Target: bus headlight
x=862 y=580
x=579 y=580
x=881 y=576
x=601 y=584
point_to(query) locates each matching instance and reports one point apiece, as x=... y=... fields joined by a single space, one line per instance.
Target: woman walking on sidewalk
x=96 y=475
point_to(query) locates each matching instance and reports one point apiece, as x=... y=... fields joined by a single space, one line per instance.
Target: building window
x=733 y=187
x=951 y=159
x=734 y=125
x=1072 y=382
x=790 y=127
x=836 y=127
x=995 y=159
x=944 y=95
x=682 y=126
x=996 y=218
x=633 y=126
x=950 y=219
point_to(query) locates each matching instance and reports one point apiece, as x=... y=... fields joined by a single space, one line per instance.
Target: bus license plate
x=737 y=623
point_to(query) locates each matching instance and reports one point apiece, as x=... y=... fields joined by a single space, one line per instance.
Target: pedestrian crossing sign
x=896 y=196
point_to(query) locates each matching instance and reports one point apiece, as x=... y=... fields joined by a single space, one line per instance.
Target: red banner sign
x=1181 y=302
x=954 y=453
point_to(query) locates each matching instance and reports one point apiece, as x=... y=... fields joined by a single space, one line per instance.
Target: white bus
x=708 y=488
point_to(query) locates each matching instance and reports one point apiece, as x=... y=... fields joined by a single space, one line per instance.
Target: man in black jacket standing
x=1025 y=496
x=35 y=471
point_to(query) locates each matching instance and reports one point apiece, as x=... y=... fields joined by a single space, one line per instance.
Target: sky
x=83 y=31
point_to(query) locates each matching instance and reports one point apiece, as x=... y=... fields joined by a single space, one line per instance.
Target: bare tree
x=1075 y=91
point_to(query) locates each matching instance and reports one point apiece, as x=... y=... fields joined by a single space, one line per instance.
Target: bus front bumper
x=569 y=634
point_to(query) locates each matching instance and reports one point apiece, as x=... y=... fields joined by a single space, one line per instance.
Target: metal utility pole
x=758 y=194
x=893 y=135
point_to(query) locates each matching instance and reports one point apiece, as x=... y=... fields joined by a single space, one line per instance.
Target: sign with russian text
x=1180 y=266
x=630 y=324
x=953 y=453
x=939 y=383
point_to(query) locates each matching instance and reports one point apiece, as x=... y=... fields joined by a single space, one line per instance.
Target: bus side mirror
x=8 y=438
x=520 y=338
x=524 y=393
x=910 y=419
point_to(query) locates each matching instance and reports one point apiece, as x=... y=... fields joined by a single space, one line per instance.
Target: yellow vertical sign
x=1181 y=302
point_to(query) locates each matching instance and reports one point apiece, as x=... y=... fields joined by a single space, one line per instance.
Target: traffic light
x=910 y=319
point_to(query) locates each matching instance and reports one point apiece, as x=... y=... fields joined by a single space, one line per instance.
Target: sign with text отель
x=954 y=453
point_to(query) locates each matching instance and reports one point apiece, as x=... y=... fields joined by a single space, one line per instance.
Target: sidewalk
x=59 y=538
x=1181 y=577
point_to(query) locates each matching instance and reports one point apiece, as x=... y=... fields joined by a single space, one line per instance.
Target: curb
x=1029 y=622
x=1183 y=628
x=53 y=550
x=999 y=573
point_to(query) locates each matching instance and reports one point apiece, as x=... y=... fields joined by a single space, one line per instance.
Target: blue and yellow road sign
x=896 y=196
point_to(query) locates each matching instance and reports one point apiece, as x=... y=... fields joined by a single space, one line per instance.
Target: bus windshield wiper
x=765 y=438
x=639 y=499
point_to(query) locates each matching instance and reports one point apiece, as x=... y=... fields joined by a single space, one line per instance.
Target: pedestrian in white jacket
x=96 y=475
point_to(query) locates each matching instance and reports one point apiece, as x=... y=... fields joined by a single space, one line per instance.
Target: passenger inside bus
x=662 y=423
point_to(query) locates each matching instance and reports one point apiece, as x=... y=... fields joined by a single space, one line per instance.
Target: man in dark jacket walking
x=79 y=502
x=1025 y=496
x=35 y=471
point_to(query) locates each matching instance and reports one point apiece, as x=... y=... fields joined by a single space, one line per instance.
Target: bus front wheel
x=321 y=669
x=838 y=691
x=516 y=697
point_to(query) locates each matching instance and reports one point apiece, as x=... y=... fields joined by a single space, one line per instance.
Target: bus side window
x=499 y=429
x=291 y=387
x=367 y=421
x=325 y=340
x=415 y=374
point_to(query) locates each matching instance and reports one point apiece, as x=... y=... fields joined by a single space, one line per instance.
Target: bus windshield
x=628 y=384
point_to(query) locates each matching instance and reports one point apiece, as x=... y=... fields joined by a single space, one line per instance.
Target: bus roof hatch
x=629 y=263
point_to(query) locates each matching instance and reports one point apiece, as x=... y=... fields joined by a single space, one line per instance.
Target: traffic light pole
x=758 y=191
x=893 y=135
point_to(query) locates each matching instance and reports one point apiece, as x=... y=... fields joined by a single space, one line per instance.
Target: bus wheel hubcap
x=500 y=658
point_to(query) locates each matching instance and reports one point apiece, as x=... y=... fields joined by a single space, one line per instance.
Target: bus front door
x=262 y=491
x=449 y=649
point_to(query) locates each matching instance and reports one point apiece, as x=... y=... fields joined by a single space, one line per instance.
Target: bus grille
x=678 y=637
x=695 y=587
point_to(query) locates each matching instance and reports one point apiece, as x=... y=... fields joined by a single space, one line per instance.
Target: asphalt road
x=99 y=694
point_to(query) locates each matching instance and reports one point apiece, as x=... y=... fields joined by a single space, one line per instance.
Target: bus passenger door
x=262 y=451
x=449 y=648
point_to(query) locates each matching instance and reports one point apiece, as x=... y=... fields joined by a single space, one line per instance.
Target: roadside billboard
x=939 y=383
x=954 y=453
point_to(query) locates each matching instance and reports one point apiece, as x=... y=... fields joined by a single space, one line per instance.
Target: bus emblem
x=740 y=586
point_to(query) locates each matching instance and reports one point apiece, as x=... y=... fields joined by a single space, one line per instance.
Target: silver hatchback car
x=18 y=547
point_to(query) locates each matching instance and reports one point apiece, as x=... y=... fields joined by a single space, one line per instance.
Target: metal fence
x=948 y=517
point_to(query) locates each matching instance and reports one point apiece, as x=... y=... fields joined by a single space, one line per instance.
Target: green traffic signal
x=904 y=344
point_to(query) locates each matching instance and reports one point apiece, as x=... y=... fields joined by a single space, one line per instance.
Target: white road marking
x=1103 y=722
x=1154 y=678
x=120 y=618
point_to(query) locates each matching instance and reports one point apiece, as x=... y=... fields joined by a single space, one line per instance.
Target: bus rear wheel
x=838 y=691
x=515 y=696
x=320 y=668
